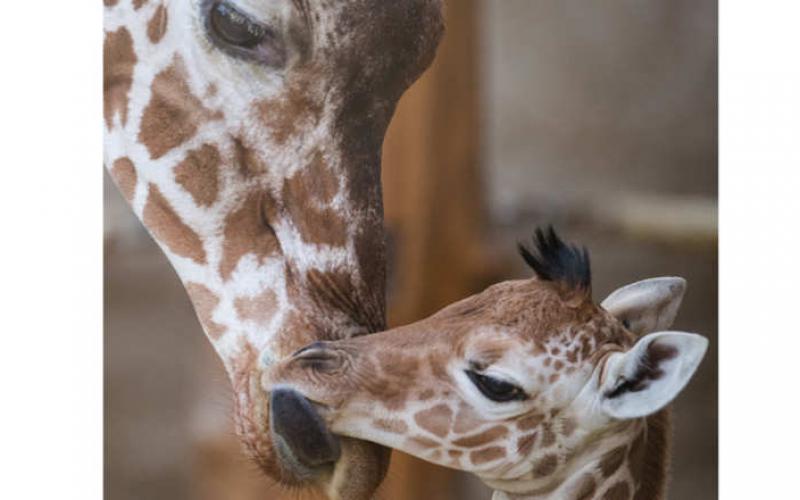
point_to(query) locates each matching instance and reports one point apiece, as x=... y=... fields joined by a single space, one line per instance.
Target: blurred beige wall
x=583 y=100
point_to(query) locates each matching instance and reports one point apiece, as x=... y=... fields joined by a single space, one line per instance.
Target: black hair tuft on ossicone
x=553 y=260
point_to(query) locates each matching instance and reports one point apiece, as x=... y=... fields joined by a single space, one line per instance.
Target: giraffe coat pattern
x=256 y=168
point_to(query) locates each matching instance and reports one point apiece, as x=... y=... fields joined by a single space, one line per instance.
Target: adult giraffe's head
x=246 y=134
x=529 y=384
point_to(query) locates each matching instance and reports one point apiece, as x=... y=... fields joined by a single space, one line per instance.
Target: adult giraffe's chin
x=246 y=135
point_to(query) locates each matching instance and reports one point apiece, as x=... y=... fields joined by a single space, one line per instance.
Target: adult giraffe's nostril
x=300 y=431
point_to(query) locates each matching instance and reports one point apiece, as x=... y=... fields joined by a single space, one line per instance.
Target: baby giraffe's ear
x=647 y=306
x=649 y=376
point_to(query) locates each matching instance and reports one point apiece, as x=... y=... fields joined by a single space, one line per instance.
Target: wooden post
x=434 y=210
x=432 y=188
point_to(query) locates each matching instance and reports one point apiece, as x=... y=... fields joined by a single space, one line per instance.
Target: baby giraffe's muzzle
x=299 y=432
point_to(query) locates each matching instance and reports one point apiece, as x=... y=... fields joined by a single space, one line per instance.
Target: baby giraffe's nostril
x=319 y=356
x=310 y=347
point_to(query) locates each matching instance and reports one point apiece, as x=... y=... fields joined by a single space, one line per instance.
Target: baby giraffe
x=530 y=385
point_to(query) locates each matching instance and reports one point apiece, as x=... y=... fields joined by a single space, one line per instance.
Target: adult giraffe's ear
x=649 y=376
x=647 y=306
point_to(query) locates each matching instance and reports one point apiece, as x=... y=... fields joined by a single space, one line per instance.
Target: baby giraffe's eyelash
x=494 y=389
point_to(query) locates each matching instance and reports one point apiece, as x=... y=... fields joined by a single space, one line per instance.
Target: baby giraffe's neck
x=631 y=466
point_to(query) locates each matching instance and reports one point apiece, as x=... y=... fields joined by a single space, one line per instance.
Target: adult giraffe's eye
x=241 y=36
x=495 y=389
x=234 y=27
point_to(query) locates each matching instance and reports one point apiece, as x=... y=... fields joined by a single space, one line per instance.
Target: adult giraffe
x=246 y=135
x=530 y=385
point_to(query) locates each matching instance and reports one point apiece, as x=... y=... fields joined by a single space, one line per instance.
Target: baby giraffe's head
x=529 y=384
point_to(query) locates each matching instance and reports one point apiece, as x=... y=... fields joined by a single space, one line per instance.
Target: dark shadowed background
x=598 y=117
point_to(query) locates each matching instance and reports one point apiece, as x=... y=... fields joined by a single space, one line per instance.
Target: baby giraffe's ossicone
x=530 y=385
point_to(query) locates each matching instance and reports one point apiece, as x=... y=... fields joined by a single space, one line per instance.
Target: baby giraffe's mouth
x=300 y=436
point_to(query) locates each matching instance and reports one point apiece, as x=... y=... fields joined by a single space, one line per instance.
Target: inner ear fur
x=647 y=306
x=651 y=374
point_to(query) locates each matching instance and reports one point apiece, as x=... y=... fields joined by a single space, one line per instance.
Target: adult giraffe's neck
x=632 y=468
x=271 y=218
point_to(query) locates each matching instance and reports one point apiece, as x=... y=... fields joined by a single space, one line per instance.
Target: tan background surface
x=598 y=117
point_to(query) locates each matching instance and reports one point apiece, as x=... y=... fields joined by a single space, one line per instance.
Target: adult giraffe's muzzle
x=299 y=432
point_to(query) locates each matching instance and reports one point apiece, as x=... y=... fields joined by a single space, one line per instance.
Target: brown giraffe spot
x=548 y=436
x=612 y=460
x=157 y=26
x=620 y=491
x=284 y=116
x=421 y=443
x=546 y=466
x=586 y=349
x=485 y=437
x=173 y=114
x=438 y=368
x=247 y=160
x=393 y=425
x=315 y=182
x=393 y=400
x=397 y=365
x=205 y=301
x=525 y=444
x=553 y=378
x=119 y=59
x=572 y=355
x=636 y=456
x=530 y=422
x=259 y=309
x=556 y=351
x=110 y=3
x=465 y=420
x=247 y=231
x=435 y=420
x=568 y=426
x=478 y=457
x=137 y=4
x=455 y=454
x=586 y=488
x=124 y=174
x=316 y=226
x=548 y=362
x=198 y=174
x=558 y=365
x=168 y=228
x=426 y=395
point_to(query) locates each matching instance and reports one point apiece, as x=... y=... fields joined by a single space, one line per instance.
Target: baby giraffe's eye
x=496 y=389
